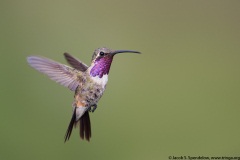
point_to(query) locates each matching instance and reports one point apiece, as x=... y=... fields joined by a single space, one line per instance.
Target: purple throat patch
x=101 y=67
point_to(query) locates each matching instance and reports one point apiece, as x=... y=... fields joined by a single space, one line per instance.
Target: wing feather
x=58 y=72
x=75 y=63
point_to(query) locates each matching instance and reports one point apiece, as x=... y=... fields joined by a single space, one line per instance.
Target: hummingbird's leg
x=94 y=107
x=89 y=109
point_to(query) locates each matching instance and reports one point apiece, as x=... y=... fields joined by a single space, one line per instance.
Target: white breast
x=102 y=81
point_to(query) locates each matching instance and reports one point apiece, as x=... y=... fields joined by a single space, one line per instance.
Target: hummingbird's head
x=102 y=60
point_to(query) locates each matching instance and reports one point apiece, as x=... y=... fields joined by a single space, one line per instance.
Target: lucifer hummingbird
x=88 y=83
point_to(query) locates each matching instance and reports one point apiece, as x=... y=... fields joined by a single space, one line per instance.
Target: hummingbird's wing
x=75 y=63
x=58 y=72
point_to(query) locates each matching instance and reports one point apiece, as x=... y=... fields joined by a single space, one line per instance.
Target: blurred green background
x=179 y=98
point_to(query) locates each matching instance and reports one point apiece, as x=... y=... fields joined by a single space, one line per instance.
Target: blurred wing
x=58 y=72
x=75 y=63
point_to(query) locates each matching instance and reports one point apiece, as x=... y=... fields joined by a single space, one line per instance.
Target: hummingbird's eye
x=101 y=53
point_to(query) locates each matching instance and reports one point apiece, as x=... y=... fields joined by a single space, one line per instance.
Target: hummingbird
x=87 y=82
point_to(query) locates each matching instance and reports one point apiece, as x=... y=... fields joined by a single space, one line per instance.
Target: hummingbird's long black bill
x=124 y=51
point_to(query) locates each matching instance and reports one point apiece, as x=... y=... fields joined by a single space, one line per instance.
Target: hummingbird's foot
x=92 y=108
x=89 y=109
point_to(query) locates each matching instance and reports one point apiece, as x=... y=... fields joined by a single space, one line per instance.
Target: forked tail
x=84 y=127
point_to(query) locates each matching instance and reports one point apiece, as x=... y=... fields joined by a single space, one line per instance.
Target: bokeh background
x=180 y=97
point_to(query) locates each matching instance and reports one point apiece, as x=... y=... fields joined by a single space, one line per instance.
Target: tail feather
x=70 y=126
x=85 y=126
